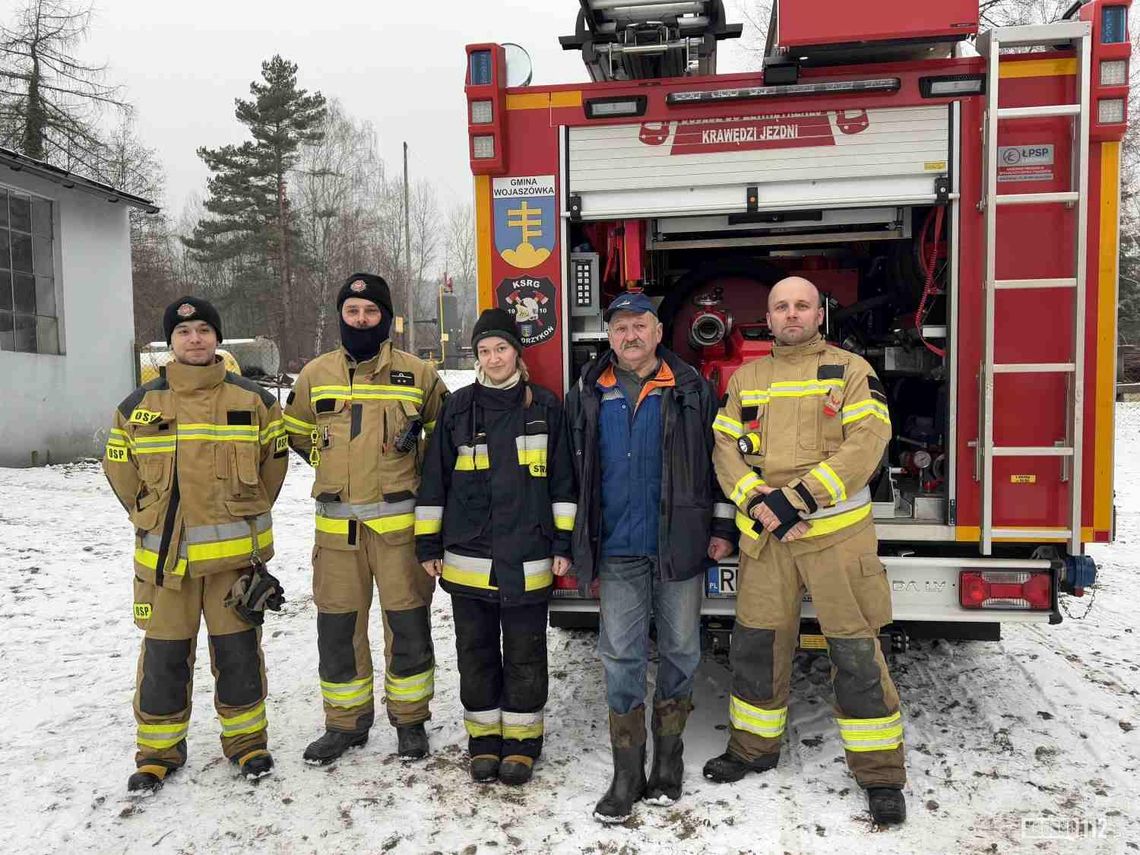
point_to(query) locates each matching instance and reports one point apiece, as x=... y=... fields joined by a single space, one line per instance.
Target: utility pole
x=410 y=309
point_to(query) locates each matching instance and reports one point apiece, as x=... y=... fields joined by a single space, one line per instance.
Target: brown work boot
x=627 y=741
x=669 y=719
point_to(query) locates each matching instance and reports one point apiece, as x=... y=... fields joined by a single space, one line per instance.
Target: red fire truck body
x=958 y=209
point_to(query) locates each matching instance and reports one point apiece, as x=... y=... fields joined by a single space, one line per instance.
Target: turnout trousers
x=503 y=692
x=849 y=589
x=342 y=590
x=166 y=669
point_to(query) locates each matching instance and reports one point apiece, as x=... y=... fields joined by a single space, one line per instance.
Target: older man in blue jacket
x=651 y=519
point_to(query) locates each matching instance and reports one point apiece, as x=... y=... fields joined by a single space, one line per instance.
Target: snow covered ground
x=1045 y=724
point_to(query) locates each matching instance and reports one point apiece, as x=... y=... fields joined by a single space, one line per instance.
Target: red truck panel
x=806 y=23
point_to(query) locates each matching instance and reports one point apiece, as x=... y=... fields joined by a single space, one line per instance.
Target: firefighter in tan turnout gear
x=797 y=439
x=197 y=457
x=359 y=415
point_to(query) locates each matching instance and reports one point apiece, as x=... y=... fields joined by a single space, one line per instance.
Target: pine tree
x=249 y=226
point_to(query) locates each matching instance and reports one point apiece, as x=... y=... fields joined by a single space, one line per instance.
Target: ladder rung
x=1034 y=368
x=1035 y=198
x=1015 y=284
x=1033 y=451
x=1032 y=533
x=1043 y=112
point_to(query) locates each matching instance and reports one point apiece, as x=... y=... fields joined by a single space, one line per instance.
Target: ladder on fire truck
x=1070 y=453
x=646 y=39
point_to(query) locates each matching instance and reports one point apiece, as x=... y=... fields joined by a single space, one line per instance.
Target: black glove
x=784 y=510
x=253 y=593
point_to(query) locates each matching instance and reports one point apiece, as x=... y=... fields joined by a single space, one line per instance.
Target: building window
x=28 y=312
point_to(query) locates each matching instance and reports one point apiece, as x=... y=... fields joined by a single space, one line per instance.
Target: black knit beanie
x=497 y=323
x=190 y=309
x=368 y=286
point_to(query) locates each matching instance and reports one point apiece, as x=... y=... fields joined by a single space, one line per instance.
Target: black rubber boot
x=627 y=740
x=728 y=768
x=484 y=768
x=668 y=769
x=516 y=769
x=145 y=781
x=888 y=807
x=412 y=742
x=332 y=745
x=255 y=764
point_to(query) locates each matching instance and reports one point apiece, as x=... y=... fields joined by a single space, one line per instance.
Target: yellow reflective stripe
x=428 y=526
x=162 y=736
x=386 y=525
x=247 y=722
x=744 y=487
x=767 y=723
x=428 y=428
x=417 y=687
x=871 y=734
x=476 y=729
x=753 y=397
x=149 y=560
x=295 y=425
x=817 y=527
x=227 y=548
x=272 y=430
x=204 y=432
x=522 y=731
x=537 y=581
x=530 y=456
x=564 y=523
x=789 y=389
x=830 y=481
x=869 y=408
x=744 y=524
x=331 y=526
x=470 y=578
x=728 y=426
x=471 y=462
x=354 y=693
x=367 y=392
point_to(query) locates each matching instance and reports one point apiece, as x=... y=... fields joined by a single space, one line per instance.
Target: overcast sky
x=398 y=65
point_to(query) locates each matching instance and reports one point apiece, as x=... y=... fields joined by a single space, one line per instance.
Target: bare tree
x=50 y=101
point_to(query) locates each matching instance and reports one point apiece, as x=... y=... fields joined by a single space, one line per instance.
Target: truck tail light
x=1110 y=111
x=566 y=586
x=482 y=112
x=1113 y=72
x=1005 y=589
x=483 y=147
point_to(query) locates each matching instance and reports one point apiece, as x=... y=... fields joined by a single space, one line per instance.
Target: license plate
x=720 y=582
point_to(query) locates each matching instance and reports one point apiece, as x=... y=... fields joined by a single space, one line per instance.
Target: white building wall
x=59 y=408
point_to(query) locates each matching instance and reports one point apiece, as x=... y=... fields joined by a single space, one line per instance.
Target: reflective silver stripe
x=724 y=511
x=531 y=442
x=522 y=725
x=226 y=531
x=857 y=501
x=483 y=716
x=471 y=451
x=612 y=395
x=467 y=562
x=537 y=568
x=153 y=543
x=429 y=512
x=524 y=718
x=369 y=511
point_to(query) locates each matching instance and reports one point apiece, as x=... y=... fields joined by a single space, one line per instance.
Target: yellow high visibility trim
x=1038 y=68
x=418 y=687
x=1104 y=397
x=469 y=578
x=869 y=408
x=272 y=430
x=744 y=716
x=816 y=528
x=544 y=100
x=217 y=433
x=387 y=525
x=471 y=462
x=564 y=523
x=744 y=486
x=331 y=526
x=476 y=729
x=295 y=425
x=522 y=731
x=428 y=526
x=728 y=426
x=789 y=389
x=367 y=392
x=348 y=695
x=227 y=548
x=538 y=581
x=428 y=428
x=754 y=397
x=831 y=482
x=248 y=722
x=532 y=456
x=162 y=736
x=149 y=560
x=871 y=734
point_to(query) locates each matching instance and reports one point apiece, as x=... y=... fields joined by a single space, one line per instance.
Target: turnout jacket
x=497 y=497
x=346 y=419
x=692 y=507
x=811 y=420
x=197 y=457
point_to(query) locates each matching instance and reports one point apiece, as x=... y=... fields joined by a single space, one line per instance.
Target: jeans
x=630 y=589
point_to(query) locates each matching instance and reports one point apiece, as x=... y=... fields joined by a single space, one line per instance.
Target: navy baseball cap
x=630 y=302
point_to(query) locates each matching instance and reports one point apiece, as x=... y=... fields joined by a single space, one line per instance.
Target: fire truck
x=954 y=195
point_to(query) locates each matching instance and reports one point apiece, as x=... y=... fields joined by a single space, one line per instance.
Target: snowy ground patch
x=1006 y=743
